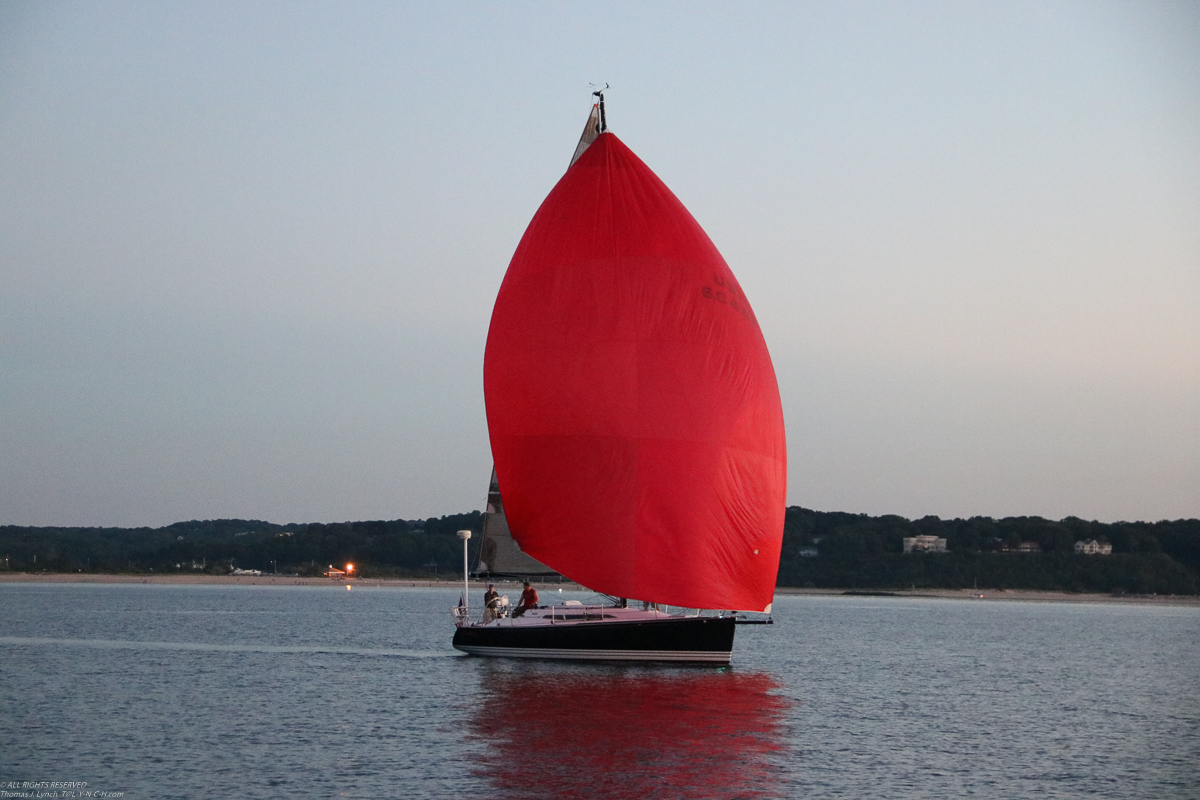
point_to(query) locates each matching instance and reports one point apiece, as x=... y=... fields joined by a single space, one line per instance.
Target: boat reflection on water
x=612 y=732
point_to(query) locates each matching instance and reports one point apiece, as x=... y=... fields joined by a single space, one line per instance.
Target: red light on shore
x=349 y=568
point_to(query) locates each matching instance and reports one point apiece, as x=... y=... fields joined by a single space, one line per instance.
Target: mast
x=600 y=94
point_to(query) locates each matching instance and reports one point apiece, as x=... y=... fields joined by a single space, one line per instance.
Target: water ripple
x=225 y=648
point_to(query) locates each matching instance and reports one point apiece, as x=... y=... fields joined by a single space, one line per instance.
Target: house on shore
x=1093 y=548
x=1021 y=547
x=924 y=544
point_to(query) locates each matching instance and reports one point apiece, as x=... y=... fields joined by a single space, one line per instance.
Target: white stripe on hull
x=706 y=656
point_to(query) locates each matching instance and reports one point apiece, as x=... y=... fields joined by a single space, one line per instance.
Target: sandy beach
x=282 y=580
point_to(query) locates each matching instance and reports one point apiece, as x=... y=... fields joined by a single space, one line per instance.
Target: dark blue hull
x=701 y=639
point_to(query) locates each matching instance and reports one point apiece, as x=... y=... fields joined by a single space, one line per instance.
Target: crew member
x=491 y=600
x=529 y=599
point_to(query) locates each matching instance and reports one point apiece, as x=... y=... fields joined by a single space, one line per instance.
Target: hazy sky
x=249 y=251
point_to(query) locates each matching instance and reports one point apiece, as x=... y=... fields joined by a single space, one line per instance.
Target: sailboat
x=635 y=424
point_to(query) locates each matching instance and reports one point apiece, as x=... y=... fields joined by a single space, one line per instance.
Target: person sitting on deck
x=529 y=599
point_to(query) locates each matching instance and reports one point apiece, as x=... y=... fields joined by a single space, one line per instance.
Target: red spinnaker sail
x=633 y=410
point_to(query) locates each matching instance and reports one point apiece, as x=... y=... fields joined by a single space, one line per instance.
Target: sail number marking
x=727 y=295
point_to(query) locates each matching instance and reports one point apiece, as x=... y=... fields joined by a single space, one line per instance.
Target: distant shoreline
x=1022 y=595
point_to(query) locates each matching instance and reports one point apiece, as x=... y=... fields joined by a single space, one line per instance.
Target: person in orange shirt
x=529 y=599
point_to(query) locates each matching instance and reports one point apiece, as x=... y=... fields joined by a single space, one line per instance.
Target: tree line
x=820 y=549
x=856 y=551
x=394 y=548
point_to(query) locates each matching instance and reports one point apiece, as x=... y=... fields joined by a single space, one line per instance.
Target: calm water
x=216 y=691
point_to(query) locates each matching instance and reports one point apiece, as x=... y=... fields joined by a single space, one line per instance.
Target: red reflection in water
x=613 y=733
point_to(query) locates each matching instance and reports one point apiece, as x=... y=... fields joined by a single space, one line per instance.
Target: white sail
x=590 y=132
x=500 y=554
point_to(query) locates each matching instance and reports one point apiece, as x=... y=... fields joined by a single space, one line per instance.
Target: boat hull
x=686 y=639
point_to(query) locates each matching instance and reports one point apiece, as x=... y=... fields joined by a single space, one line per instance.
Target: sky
x=249 y=251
